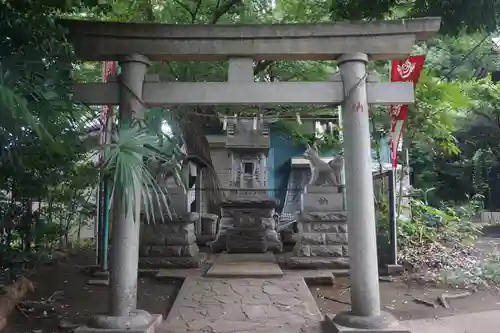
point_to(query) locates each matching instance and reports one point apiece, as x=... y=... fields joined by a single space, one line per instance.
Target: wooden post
x=198 y=199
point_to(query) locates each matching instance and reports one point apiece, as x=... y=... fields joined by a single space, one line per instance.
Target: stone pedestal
x=322 y=199
x=170 y=245
x=247 y=226
x=246 y=240
x=206 y=228
x=322 y=224
x=348 y=323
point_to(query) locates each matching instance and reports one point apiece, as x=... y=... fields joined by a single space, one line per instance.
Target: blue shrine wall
x=281 y=151
x=279 y=163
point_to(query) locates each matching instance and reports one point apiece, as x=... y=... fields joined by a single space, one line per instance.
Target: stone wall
x=172 y=244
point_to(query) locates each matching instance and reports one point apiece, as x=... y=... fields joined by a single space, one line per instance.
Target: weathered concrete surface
x=206 y=305
x=245 y=265
x=379 y=39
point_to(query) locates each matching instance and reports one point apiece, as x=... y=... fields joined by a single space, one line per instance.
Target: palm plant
x=126 y=163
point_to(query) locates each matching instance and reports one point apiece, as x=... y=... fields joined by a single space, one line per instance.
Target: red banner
x=109 y=70
x=407 y=70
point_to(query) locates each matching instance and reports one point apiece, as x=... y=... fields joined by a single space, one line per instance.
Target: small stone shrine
x=322 y=222
x=247 y=224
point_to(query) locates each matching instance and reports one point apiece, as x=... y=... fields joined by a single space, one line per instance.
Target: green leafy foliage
x=125 y=163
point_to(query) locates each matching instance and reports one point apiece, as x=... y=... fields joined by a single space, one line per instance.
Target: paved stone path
x=211 y=305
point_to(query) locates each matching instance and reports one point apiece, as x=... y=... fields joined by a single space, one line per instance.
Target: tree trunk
x=79 y=231
x=28 y=225
x=13 y=294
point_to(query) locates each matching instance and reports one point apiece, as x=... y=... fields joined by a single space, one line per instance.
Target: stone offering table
x=170 y=245
x=247 y=226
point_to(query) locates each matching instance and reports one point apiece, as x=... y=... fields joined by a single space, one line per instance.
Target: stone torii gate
x=352 y=44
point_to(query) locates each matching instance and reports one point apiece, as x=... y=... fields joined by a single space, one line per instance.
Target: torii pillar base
x=346 y=322
x=138 y=322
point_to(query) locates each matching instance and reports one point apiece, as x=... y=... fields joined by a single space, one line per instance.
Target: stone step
x=178 y=274
x=316 y=277
x=241 y=265
x=166 y=262
x=317 y=262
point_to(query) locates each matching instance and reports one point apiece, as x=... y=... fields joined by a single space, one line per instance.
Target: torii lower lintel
x=243 y=93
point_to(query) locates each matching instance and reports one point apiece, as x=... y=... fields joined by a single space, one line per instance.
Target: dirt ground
x=78 y=300
x=398 y=299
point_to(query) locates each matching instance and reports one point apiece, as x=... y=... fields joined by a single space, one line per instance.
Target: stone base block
x=209 y=224
x=314 y=277
x=271 y=237
x=322 y=202
x=219 y=244
x=203 y=240
x=394 y=269
x=325 y=189
x=304 y=250
x=152 y=327
x=317 y=262
x=273 y=241
x=169 y=262
x=334 y=328
x=246 y=240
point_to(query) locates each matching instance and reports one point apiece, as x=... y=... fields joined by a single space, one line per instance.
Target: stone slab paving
x=214 y=305
x=245 y=265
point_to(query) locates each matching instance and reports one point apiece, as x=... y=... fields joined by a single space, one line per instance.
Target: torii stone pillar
x=365 y=299
x=125 y=236
x=123 y=313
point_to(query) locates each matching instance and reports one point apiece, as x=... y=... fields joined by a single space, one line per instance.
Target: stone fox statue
x=323 y=173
